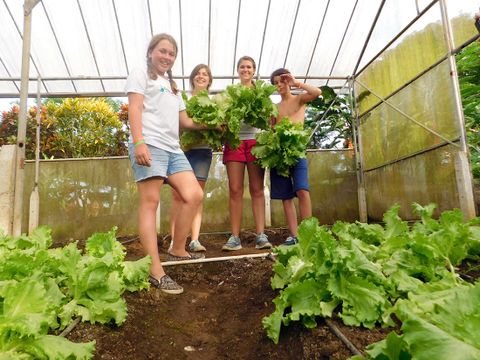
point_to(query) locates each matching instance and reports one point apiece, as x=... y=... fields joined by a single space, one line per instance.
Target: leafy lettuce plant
x=204 y=111
x=365 y=272
x=250 y=105
x=282 y=146
x=439 y=325
x=42 y=289
x=229 y=108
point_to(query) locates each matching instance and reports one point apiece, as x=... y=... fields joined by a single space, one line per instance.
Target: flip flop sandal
x=171 y=257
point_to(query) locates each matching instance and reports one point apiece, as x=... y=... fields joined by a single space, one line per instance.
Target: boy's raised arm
x=310 y=92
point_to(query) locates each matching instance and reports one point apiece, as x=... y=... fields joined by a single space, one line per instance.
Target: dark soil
x=217 y=317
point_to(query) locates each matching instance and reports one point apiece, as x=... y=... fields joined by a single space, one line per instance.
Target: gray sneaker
x=262 y=242
x=291 y=240
x=166 y=284
x=232 y=244
x=195 y=246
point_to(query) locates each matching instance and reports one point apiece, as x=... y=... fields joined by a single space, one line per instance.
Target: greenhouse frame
x=394 y=59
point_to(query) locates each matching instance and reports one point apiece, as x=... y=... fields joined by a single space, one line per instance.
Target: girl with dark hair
x=236 y=160
x=200 y=158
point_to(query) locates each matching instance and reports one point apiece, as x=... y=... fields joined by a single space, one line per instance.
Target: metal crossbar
x=406 y=115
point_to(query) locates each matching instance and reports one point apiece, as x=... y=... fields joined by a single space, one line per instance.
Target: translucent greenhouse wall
x=411 y=147
x=84 y=196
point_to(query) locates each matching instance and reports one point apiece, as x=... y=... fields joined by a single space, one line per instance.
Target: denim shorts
x=200 y=160
x=284 y=188
x=163 y=163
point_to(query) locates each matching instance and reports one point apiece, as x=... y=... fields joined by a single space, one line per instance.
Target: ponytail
x=173 y=84
x=152 y=73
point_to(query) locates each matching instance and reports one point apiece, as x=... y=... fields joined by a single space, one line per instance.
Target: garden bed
x=217 y=317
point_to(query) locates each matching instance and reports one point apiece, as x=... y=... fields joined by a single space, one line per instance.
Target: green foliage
x=71 y=128
x=468 y=64
x=282 y=146
x=335 y=130
x=233 y=116
x=42 y=289
x=86 y=128
x=237 y=103
x=205 y=111
x=9 y=128
x=363 y=271
x=252 y=104
x=440 y=324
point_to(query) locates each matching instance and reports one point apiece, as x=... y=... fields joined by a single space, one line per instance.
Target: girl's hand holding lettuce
x=206 y=111
x=227 y=109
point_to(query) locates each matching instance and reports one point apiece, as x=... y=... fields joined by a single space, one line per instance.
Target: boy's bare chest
x=292 y=110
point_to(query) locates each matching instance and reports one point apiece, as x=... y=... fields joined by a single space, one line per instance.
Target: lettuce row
x=43 y=289
x=368 y=272
x=441 y=325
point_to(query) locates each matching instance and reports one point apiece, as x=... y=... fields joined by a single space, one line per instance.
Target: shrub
x=468 y=63
x=71 y=128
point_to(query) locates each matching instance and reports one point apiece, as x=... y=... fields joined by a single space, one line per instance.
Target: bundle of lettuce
x=282 y=146
x=204 y=111
x=250 y=104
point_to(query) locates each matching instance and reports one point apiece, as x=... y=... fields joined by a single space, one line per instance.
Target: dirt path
x=217 y=317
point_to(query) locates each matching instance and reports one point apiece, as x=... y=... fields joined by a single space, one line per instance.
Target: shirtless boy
x=286 y=188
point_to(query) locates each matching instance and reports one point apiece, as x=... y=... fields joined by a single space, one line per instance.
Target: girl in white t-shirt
x=156 y=111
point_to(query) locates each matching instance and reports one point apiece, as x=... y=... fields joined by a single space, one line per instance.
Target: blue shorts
x=200 y=160
x=163 y=163
x=284 y=188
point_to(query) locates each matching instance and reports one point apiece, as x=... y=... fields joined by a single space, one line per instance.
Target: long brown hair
x=248 y=58
x=152 y=73
x=194 y=73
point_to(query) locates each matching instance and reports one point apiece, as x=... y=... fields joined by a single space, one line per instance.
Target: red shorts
x=242 y=154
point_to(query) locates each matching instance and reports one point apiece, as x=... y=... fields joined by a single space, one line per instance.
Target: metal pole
x=266 y=255
x=34 y=216
x=462 y=163
x=22 y=119
x=358 y=149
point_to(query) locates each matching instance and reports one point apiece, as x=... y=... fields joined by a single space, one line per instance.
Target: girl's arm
x=135 y=109
x=187 y=123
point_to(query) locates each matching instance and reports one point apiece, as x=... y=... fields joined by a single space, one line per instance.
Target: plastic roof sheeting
x=87 y=47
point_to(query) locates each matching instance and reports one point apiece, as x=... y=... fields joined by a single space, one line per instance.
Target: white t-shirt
x=247 y=132
x=161 y=107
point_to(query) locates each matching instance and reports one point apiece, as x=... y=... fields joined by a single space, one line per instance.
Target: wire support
x=385 y=101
